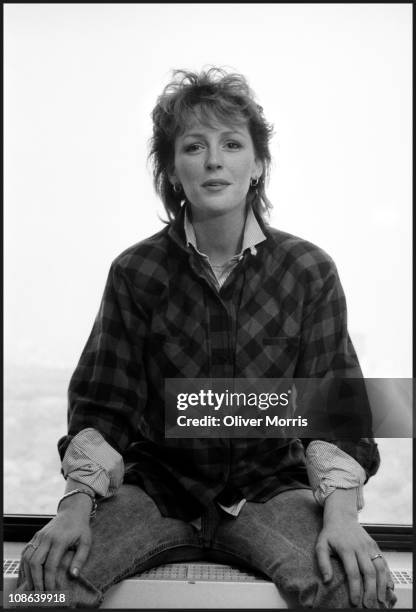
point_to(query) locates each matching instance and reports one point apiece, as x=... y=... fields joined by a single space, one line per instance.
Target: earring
x=254 y=182
x=177 y=187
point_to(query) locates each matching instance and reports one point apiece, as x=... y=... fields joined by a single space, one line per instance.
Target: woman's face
x=214 y=164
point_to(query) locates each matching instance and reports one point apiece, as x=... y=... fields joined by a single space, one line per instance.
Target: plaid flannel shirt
x=280 y=313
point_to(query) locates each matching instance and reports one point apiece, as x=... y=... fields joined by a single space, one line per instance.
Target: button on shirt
x=165 y=313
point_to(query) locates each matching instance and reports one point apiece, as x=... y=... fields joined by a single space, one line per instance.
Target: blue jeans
x=276 y=537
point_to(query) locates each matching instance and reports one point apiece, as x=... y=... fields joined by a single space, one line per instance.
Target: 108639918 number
x=45 y=598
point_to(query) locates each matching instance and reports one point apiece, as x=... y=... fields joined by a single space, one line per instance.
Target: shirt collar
x=253 y=233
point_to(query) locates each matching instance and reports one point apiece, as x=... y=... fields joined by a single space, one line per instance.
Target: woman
x=216 y=294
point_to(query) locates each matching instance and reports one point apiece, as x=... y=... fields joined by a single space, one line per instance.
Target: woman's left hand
x=359 y=553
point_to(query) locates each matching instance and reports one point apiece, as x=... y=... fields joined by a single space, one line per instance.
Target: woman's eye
x=191 y=148
x=234 y=145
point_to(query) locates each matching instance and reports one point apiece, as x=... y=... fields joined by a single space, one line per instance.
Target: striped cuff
x=330 y=468
x=90 y=460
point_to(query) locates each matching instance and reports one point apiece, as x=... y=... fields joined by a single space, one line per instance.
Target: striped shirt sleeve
x=90 y=460
x=330 y=468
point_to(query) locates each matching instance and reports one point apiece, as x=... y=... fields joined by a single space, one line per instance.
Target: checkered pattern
x=280 y=313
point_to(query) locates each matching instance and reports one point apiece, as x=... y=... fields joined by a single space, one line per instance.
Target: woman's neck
x=220 y=237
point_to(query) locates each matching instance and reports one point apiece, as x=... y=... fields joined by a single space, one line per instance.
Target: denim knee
x=78 y=592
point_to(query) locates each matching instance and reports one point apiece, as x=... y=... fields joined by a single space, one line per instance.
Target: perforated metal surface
x=199 y=571
x=402 y=576
x=10 y=567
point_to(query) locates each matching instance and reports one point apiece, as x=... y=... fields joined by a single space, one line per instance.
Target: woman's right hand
x=68 y=530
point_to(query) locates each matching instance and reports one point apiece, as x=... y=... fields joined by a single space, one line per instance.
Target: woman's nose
x=213 y=159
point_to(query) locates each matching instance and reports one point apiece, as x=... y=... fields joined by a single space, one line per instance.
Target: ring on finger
x=377 y=556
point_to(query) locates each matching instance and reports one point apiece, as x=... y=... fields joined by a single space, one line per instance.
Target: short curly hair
x=210 y=93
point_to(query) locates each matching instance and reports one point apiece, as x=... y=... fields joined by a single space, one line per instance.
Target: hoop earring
x=254 y=182
x=177 y=187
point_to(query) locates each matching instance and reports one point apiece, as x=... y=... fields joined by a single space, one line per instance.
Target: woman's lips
x=215 y=185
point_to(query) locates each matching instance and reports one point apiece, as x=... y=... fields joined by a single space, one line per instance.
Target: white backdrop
x=80 y=83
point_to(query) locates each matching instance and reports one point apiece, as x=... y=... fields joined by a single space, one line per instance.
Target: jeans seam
x=238 y=555
x=279 y=584
x=134 y=568
x=210 y=520
x=99 y=592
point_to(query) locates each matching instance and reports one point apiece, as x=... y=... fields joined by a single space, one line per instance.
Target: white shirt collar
x=253 y=234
